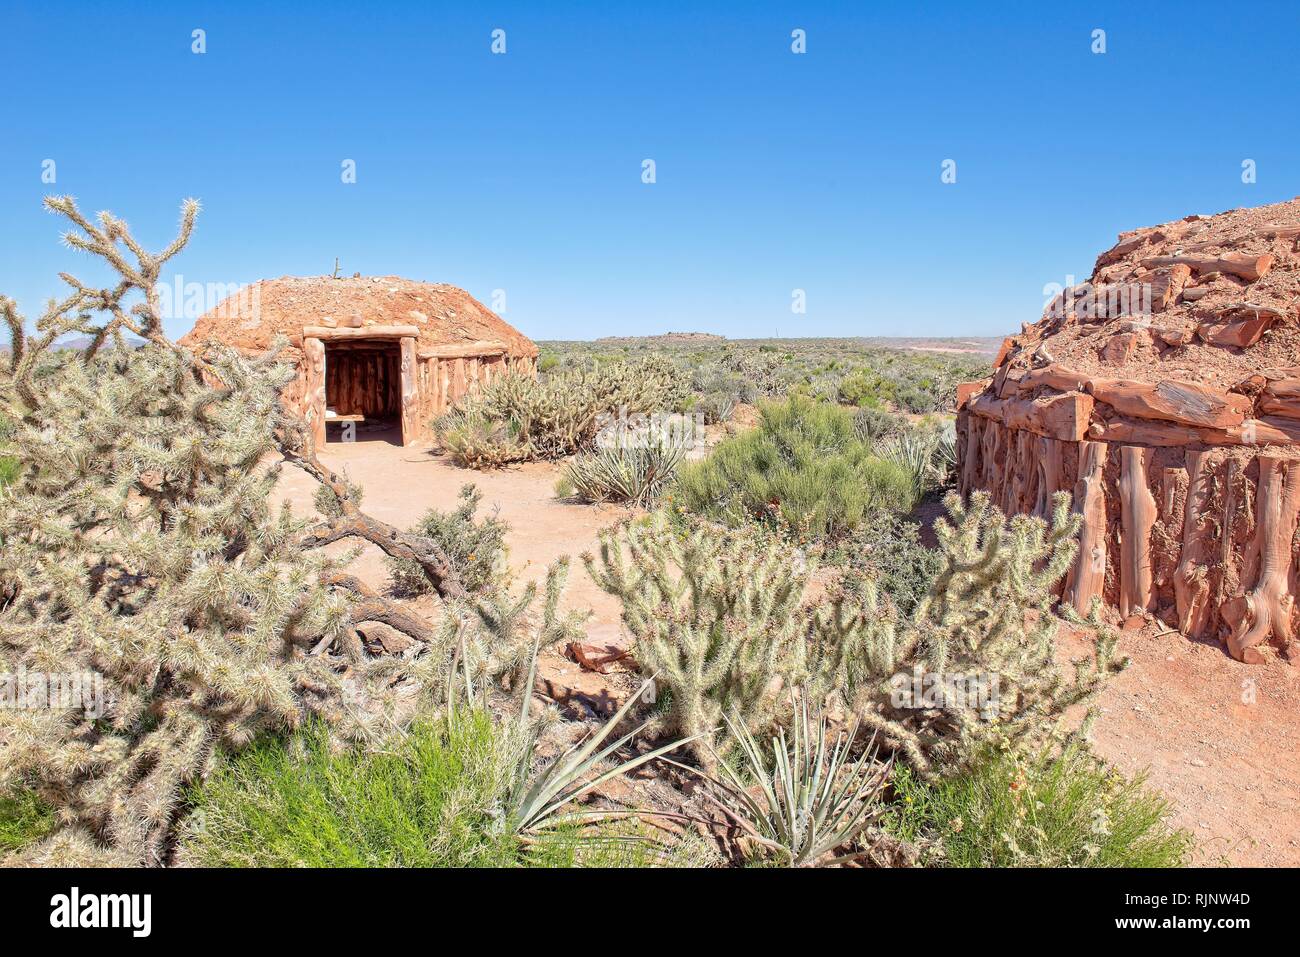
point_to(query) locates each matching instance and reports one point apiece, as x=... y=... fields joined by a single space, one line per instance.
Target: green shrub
x=547 y=361
x=427 y=801
x=475 y=549
x=24 y=820
x=1044 y=810
x=865 y=388
x=804 y=467
x=915 y=399
x=873 y=423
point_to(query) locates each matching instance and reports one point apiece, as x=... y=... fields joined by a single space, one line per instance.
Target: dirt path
x=401 y=484
x=1218 y=738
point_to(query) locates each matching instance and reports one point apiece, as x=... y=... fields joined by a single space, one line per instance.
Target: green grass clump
x=8 y=464
x=1064 y=810
x=431 y=798
x=24 y=820
x=805 y=466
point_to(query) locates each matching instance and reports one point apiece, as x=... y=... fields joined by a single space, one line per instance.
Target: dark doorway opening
x=363 y=391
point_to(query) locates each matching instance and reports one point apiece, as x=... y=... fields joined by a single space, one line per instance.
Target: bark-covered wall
x=363 y=381
x=381 y=372
x=1199 y=533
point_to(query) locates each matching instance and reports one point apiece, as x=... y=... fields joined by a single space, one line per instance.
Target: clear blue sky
x=775 y=171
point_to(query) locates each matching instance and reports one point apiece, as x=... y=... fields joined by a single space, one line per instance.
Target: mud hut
x=373 y=352
x=1164 y=393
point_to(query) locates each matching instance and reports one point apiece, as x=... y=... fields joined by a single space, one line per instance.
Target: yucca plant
x=810 y=799
x=913 y=452
x=535 y=801
x=637 y=475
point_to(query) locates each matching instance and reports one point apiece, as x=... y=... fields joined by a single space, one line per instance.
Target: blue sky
x=523 y=172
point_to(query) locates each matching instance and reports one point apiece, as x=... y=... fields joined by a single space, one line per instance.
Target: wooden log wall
x=390 y=376
x=1202 y=538
x=364 y=380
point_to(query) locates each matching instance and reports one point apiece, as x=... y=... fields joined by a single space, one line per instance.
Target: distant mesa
x=667 y=338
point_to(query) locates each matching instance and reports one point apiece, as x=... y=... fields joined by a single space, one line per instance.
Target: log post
x=1138 y=515
x=1265 y=611
x=1191 y=580
x=314 y=397
x=1089 y=575
x=410 y=394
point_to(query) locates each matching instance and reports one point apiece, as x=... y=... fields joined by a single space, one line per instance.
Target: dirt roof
x=1211 y=299
x=444 y=314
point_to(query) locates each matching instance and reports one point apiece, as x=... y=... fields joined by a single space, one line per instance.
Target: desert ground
x=1217 y=737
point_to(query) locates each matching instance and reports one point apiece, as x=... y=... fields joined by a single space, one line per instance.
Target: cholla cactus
x=144 y=570
x=720 y=615
x=518 y=418
x=716 y=617
x=501 y=631
x=980 y=646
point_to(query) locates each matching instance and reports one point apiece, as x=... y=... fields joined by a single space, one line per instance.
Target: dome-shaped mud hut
x=373 y=352
x=1164 y=394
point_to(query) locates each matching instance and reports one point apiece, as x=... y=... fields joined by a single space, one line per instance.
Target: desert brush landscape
x=364 y=577
x=580 y=461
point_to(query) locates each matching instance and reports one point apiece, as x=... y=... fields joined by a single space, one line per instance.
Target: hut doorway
x=363 y=390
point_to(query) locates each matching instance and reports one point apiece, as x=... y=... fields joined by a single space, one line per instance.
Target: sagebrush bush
x=476 y=548
x=1043 y=809
x=804 y=467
